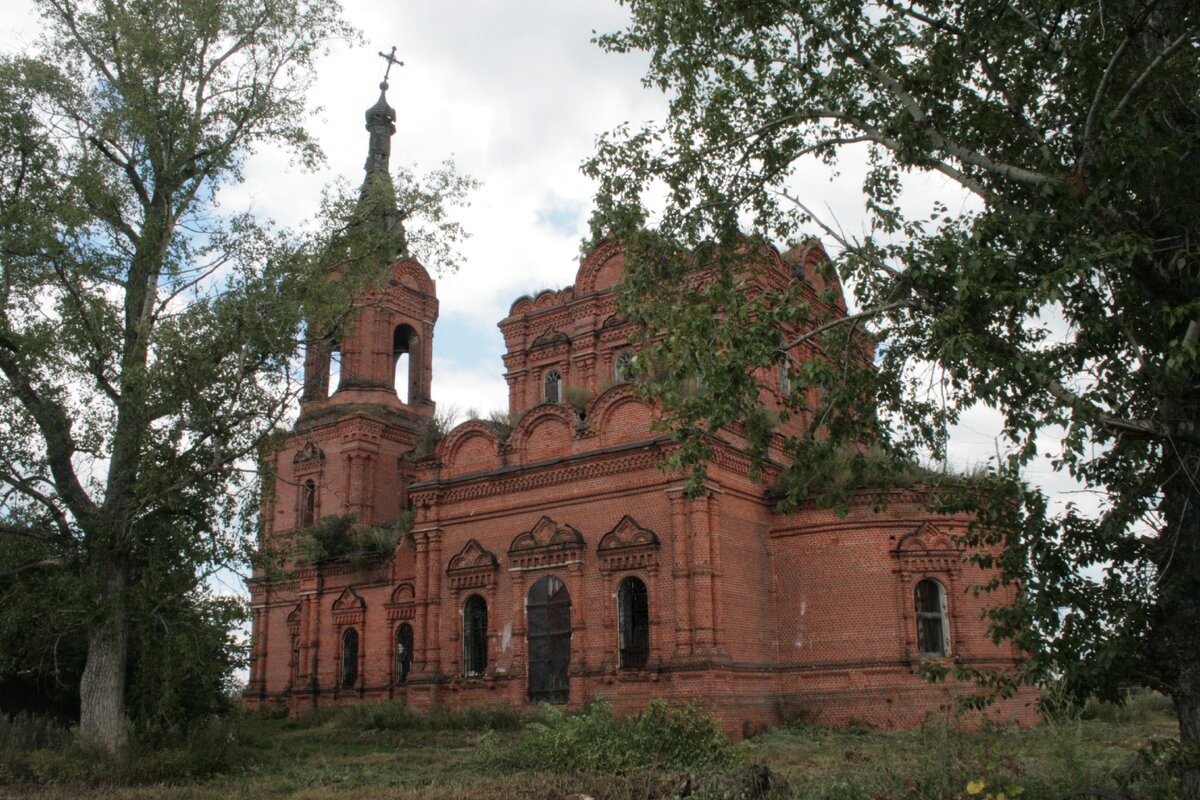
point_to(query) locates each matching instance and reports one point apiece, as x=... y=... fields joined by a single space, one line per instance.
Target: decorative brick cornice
x=548 y=544
x=349 y=608
x=552 y=336
x=628 y=546
x=568 y=469
x=308 y=458
x=402 y=605
x=550 y=353
x=627 y=533
x=927 y=548
x=547 y=533
x=473 y=568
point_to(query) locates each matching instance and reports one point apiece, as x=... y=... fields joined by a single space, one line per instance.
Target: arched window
x=349 y=658
x=633 y=623
x=475 y=626
x=404 y=651
x=933 y=636
x=552 y=385
x=623 y=366
x=308 y=504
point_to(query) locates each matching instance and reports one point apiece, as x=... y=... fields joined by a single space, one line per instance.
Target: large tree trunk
x=1176 y=647
x=102 y=717
x=1187 y=706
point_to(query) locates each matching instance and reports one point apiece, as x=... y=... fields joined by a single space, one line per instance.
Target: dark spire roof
x=381 y=124
x=377 y=190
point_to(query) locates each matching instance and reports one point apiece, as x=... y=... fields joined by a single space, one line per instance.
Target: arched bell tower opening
x=405 y=353
x=322 y=368
x=333 y=368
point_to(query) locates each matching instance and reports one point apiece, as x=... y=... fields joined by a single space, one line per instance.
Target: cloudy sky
x=516 y=93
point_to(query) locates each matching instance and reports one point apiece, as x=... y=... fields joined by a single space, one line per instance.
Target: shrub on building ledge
x=340 y=537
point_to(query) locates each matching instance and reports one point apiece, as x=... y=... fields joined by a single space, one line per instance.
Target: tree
x=1064 y=293
x=148 y=337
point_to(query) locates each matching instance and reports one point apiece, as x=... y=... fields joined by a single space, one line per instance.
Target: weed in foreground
x=36 y=750
x=596 y=741
x=399 y=716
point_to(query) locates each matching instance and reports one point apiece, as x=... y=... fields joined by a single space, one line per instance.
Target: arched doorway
x=549 y=611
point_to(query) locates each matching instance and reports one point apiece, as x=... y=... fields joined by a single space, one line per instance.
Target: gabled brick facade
x=560 y=562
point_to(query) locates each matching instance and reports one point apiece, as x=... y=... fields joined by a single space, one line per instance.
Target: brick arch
x=545 y=299
x=520 y=305
x=409 y=272
x=619 y=416
x=470 y=447
x=546 y=431
x=601 y=269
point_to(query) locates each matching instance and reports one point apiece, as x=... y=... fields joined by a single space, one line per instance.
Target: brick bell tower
x=367 y=384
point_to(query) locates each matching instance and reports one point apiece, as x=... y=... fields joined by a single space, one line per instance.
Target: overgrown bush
x=339 y=536
x=399 y=716
x=433 y=430
x=596 y=741
x=330 y=537
x=503 y=423
x=577 y=397
x=1138 y=705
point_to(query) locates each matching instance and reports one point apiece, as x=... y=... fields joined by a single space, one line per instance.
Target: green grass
x=391 y=751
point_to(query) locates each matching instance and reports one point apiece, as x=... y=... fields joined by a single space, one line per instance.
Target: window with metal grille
x=553 y=386
x=404 y=651
x=475 y=622
x=932 y=634
x=633 y=623
x=349 y=658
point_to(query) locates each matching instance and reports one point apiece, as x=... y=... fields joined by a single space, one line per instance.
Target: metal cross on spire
x=391 y=60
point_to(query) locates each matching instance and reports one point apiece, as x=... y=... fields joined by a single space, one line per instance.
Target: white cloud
x=517 y=93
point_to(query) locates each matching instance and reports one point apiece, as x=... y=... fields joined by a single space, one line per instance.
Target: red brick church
x=557 y=561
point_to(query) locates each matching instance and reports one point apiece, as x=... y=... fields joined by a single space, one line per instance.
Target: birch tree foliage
x=149 y=332
x=1066 y=296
